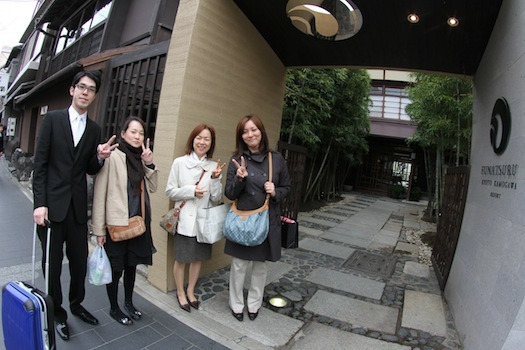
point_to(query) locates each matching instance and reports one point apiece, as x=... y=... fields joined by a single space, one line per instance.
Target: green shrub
x=396 y=191
x=415 y=194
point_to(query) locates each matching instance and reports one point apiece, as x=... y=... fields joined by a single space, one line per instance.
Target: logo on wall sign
x=500 y=126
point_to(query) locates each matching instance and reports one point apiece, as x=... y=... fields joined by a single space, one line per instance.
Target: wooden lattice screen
x=134 y=85
x=449 y=225
x=296 y=158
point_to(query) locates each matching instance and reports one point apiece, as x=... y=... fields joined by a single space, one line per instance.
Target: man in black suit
x=68 y=148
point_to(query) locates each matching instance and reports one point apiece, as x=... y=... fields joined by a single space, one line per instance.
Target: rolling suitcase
x=27 y=312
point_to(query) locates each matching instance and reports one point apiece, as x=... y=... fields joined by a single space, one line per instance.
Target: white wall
x=486 y=286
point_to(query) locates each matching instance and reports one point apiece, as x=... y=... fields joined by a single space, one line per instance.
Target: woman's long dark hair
x=240 y=145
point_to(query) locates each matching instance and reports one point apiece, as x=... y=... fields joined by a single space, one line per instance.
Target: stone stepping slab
x=356 y=312
x=308 y=231
x=416 y=269
x=345 y=209
x=354 y=206
x=362 y=202
x=336 y=211
x=345 y=238
x=320 y=221
x=313 y=225
x=347 y=283
x=270 y=328
x=425 y=312
x=319 y=336
x=328 y=217
x=326 y=248
x=333 y=214
x=407 y=248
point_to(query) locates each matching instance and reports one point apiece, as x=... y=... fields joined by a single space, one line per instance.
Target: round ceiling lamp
x=453 y=22
x=329 y=19
x=413 y=18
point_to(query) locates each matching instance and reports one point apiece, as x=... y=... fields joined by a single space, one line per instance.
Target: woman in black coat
x=247 y=182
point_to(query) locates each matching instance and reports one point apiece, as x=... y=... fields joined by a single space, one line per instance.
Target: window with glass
x=82 y=22
x=389 y=102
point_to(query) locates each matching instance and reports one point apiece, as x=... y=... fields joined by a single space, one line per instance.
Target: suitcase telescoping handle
x=48 y=241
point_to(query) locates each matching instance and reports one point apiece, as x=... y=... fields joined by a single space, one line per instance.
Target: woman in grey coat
x=247 y=182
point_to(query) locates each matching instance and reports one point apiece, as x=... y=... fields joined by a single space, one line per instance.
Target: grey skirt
x=188 y=250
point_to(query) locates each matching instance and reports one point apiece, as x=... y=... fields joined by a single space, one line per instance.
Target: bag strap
x=270 y=173
x=270 y=166
x=142 y=201
x=266 y=201
x=199 y=180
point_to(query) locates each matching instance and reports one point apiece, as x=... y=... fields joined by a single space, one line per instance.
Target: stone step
x=357 y=285
x=318 y=336
x=356 y=312
x=424 y=311
x=326 y=248
x=270 y=328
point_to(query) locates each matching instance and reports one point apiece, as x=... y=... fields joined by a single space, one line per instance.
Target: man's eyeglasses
x=83 y=88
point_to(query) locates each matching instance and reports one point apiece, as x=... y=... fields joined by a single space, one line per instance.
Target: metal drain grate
x=397 y=217
x=374 y=264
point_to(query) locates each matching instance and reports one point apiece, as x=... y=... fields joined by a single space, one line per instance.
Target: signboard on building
x=11 y=125
x=4 y=78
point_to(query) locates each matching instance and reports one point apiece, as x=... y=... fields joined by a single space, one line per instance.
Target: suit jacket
x=59 y=177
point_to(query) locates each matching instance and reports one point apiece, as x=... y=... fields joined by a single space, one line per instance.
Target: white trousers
x=255 y=288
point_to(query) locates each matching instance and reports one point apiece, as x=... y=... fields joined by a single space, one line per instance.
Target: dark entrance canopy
x=386 y=39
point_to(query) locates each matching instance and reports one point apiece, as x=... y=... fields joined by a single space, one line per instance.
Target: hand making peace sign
x=241 y=169
x=147 y=154
x=217 y=171
x=104 y=150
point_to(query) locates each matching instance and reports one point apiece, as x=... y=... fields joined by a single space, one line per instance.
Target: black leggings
x=129 y=284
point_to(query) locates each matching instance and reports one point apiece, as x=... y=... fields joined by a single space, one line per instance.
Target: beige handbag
x=136 y=226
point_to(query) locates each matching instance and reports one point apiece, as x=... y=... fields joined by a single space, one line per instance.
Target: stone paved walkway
x=334 y=297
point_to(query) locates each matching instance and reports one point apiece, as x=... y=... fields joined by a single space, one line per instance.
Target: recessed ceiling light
x=413 y=18
x=453 y=22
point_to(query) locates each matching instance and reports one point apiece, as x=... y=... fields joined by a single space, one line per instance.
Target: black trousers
x=74 y=235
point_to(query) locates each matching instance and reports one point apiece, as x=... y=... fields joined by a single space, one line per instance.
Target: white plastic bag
x=99 y=267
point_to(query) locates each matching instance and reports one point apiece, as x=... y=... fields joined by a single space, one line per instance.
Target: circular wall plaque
x=500 y=126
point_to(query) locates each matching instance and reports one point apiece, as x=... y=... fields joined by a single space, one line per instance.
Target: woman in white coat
x=195 y=182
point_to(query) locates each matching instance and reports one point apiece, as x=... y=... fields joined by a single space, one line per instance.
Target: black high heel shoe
x=253 y=315
x=132 y=311
x=120 y=317
x=238 y=316
x=194 y=304
x=185 y=307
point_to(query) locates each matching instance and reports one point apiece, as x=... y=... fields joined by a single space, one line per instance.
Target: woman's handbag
x=249 y=228
x=289 y=233
x=136 y=225
x=210 y=222
x=99 y=267
x=170 y=220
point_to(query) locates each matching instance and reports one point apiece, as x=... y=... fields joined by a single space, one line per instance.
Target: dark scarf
x=133 y=164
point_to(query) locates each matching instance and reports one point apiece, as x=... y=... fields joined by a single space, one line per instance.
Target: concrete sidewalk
x=353 y=283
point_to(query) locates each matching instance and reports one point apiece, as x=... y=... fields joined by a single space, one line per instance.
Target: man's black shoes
x=85 y=316
x=62 y=330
